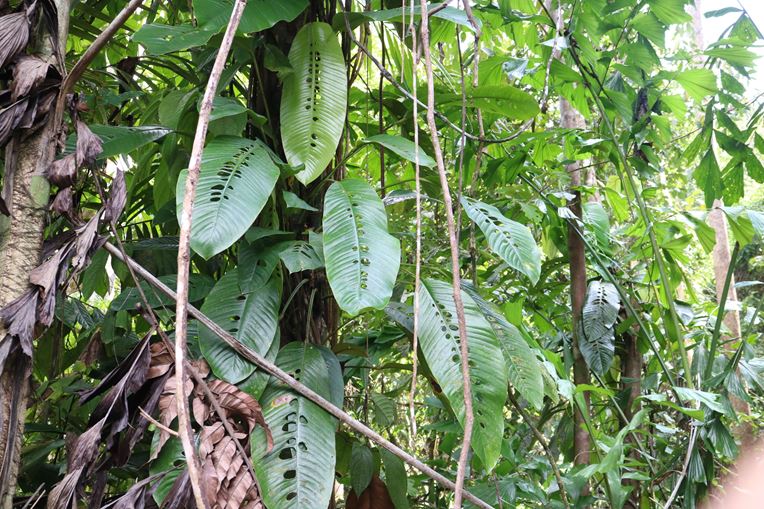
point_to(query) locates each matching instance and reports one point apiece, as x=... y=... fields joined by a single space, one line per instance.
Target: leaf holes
x=290 y=474
x=291 y=495
x=303 y=419
x=287 y=453
x=303 y=447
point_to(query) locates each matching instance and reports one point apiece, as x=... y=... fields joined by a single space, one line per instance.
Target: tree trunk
x=571 y=119
x=26 y=193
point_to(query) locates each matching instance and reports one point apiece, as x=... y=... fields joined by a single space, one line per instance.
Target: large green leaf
x=122 y=140
x=236 y=179
x=251 y=317
x=597 y=334
x=199 y=285
x=439 y=340
x=362 y=258
x=524 y=370
x=395 y=479
x=402 y=148
x=504 y=100
x=258 y=14
x=162 y=39
x=698 y=83
x=512 y=241
x=314 y=100
x=298 y=473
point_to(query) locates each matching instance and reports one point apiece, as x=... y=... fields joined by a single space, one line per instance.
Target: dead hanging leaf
x=10 y=117
x=88 y=145
x=63 y=494
x=63 y=171
x=20 y=317
x=179 y=496
x=138 y=494
x=14 y=35
x=63 y=203
x=375 y=496
x=115 y=203
x=161 y=361
x=168 y=406
x=237 y=403
x=122 y=382
x=86 y=242
x=28 y=72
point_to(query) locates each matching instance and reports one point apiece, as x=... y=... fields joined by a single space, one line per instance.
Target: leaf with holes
x=236 y=179
x=597 y=333
x=299 y=472
x=314 y=100
x=251 y=317
x=362 y=258
x=512 y=241
x=299 y=255
x=439 y=340
x=524 y=370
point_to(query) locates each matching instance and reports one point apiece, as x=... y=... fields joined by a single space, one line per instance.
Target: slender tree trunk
x=25 y=190
x=577 y=260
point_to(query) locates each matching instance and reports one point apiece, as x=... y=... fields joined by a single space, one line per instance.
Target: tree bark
x=26 y=194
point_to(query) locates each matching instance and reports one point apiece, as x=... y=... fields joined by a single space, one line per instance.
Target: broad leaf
x=299 y=472
x=439 y=340
x=395 y=479
x=402 y=147
x=597 y=334
x=698 y=83
x=362 y=258
x=251 y=317
x=122 y=140
x=524 y=370
x=313 y=101
x=512 y=241
x=361 y=467
x=258 y=14
x=199 y=285
x=298 y=255
x=162 y=39
x=504 y=100
x=293 y=201
x=236 y=179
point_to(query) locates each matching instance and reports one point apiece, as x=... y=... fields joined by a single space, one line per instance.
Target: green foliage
x=362 y=258
x=314 y=101
x=299 y=471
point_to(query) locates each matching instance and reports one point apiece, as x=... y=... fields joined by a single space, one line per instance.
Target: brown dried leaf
x=63 y=203
x=161 y=361
x=236 y=402
x=62 y=496
x=136 y=496
x=63 y=171
x=10 y=117
x=88 y=145
x=85 y=243
x=14 y=35
x=20 y=317
x=115 y=203
x=168 y=406
x=375 y=496
x=28 y=72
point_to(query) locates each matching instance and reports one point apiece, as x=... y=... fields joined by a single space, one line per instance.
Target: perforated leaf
x=512 y=241
x=597 y=335
x=251 y=317
x=524 y=370
x=362 y=258
x=299 y=472
x=236 y=179
x=299 y=255
x=314 y=100
x=439 y=340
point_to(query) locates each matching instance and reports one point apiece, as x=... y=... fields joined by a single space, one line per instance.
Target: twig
x=156 y=423
x=273 y=370
x=540 y=437
x=184 y=254
x=455 y=266
x=82 y=64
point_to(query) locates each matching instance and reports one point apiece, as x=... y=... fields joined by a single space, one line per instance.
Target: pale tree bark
x=25 y=191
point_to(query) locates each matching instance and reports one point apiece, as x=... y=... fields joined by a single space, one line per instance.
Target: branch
x=455 y=266
x=184 y=254
x=98 y=44
x=273 y=370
